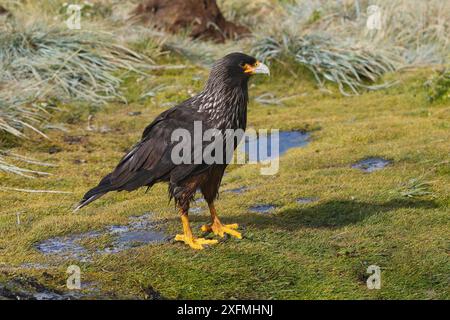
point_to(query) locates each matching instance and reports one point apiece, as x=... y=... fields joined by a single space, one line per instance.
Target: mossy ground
x=319 y=250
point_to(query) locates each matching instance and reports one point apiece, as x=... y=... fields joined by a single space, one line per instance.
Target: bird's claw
x=220 y=229
x=194 y=243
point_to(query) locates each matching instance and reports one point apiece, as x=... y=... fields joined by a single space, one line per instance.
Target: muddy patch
x=28 y=288
x=139 y=231
x=79 y=161
x=202 y=18
x=151 y=294
x=3 y=11
x=71 y=140
x=371 y=164
x=54 y=149
x=286 y=140
x=262 y=208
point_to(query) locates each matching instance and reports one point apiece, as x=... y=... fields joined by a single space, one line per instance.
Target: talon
x=206 y=228
x=220 y=229
x=194 y=243
x=232 y=226
x=206 y=241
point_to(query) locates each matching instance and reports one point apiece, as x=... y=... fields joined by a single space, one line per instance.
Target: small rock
x=134 y=113
x=74 y=139
x=79 y=161
x=54 y=149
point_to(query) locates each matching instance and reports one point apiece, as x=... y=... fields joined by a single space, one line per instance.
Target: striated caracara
x=221 y=106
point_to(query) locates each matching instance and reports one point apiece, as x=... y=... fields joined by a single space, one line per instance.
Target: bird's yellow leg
x=217 y=227
x=188 y=238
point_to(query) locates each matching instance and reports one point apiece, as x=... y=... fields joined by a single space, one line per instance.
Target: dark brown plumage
x=221 y=105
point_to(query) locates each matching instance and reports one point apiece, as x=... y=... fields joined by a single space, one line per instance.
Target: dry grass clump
x=79 y=65
x=350 y=67
x=40 y=63
x=332 y=39
x=203 y=53
x=8 y=167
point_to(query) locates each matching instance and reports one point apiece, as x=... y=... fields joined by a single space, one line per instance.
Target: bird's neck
x=226 y=106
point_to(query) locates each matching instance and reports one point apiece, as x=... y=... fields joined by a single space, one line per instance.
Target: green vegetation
x=439 y=86
x=316 y=250
x=396 y=218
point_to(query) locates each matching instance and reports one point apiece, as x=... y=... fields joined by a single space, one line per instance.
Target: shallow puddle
x=371 y=164
x=67 y=246
x=237 y=190
x=195 y=210
x=262 y=208
x=286 y=140
x=139 y=231
x=307 y=200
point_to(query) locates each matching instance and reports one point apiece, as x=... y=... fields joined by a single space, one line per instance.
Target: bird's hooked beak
x=258 y=67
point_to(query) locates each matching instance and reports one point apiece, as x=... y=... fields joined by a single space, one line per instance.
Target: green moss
x=439 y=86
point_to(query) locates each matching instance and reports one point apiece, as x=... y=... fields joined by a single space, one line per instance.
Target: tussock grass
x=417 y=31
x=332 y=40
x=201 y=52
x=348 y=67
x=73 y=65
x=42 y=63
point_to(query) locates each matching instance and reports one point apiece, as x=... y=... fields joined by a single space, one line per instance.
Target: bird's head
x=235 y=69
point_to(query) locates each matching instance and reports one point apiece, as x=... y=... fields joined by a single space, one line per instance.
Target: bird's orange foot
x=194 y=243
x=220 y=229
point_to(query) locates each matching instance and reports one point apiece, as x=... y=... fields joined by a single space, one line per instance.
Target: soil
x=203 y=19
x=4 y=11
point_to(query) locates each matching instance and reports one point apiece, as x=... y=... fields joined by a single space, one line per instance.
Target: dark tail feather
x=103 y=187
x=85 y=202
